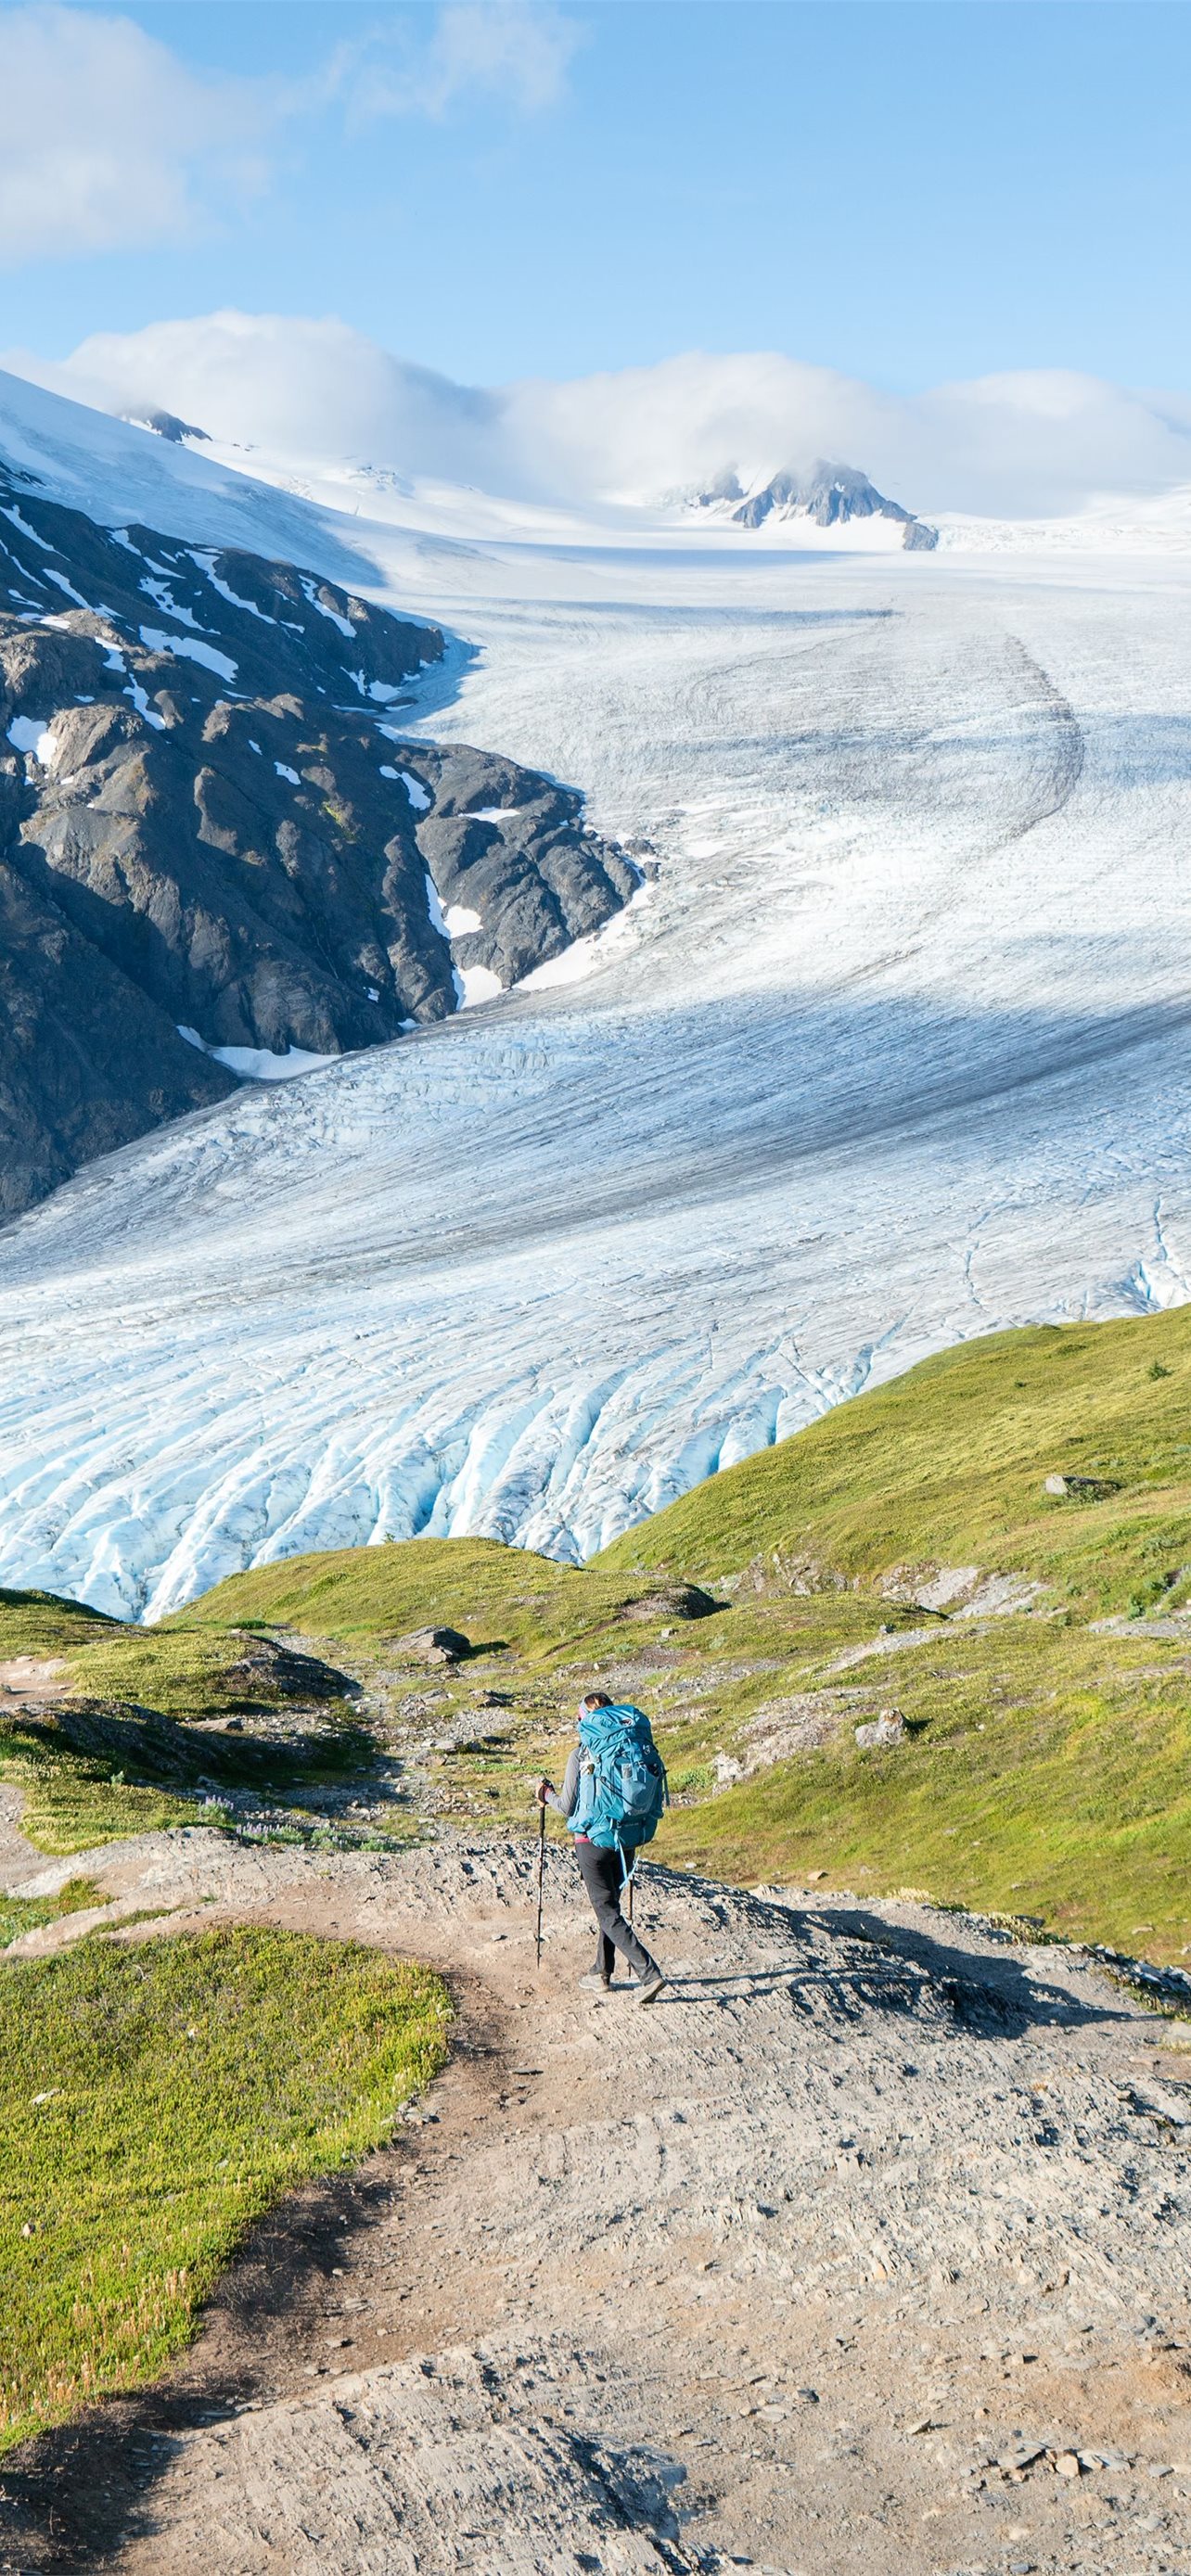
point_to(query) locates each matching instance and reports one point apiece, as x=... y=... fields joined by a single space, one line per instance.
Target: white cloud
x=1022 y=445
x=107 y=139
x=507 y=49
x=302 y=388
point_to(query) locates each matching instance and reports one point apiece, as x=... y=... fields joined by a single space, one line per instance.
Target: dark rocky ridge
x=204 y=826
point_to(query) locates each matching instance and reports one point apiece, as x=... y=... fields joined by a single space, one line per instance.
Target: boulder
x=672 y=1601
x=264 y=1673
x=888 y=1728
x=1081 y=1489
x=434 y=1645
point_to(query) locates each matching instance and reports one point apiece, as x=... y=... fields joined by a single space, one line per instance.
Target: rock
x=434 y=1645
x=1083 y=1489
x=509 y=848
x=804 y=1575
x=956 y=1591
x=265 y=1673
x=206 y=846
x=797 y=1723
x=829 y=495
x=888 y=1728
x=1067 y=2465
x=671 y=1601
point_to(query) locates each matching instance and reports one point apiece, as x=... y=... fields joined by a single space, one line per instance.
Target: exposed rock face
x=213 y=838
x=510 y=847
x=829 y=495
x=166 y=424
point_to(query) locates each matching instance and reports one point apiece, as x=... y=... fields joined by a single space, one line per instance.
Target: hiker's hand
x=543 y=1789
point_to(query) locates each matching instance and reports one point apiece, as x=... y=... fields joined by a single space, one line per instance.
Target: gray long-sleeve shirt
x=563 y=1800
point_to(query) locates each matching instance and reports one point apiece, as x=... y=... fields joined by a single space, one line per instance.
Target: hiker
x=612 y=1796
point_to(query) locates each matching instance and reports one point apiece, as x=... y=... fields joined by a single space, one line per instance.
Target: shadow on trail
x=988 y=1994
x=914 y=1974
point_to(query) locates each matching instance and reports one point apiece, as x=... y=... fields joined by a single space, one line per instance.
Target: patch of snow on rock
x=159 y=591
x=260 y=1064
x=35 y=734
x=155 y=640
x=434 y=908
x=344 y=624
x=206 y=564
x=598 y=948
x=479 y=984
x=14 y=516
x=51 y=574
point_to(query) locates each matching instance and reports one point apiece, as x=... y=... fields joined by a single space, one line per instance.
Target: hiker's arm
x=562 y=1800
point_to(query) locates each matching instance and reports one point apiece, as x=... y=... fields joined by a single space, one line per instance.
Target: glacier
x=889 y=1050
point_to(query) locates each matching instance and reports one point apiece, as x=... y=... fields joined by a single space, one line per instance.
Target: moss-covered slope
x=1046 y=1756
x=948 y=1464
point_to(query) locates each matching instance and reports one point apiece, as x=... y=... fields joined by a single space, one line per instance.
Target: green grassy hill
x=1045 y=1766
x=949 y=1462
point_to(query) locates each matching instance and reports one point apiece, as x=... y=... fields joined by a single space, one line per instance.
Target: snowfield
x=891 y=1049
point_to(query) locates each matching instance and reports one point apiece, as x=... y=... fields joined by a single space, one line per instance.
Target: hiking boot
x=652 y=1986
x=594 y=1983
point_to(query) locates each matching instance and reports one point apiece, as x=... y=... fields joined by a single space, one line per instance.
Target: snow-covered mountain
x=304 y=394
x=890 y=1047
x=828 y=496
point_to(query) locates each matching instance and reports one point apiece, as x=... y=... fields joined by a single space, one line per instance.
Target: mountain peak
x=165 y=424
x=828 y=495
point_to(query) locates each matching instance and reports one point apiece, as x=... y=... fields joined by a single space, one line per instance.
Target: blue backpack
x=622 y=1780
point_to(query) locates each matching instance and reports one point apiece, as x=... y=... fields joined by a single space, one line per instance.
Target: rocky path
x=862 y=2253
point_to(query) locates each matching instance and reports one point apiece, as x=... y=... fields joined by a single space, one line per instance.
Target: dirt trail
x=31 y=1678
x=829 y=2262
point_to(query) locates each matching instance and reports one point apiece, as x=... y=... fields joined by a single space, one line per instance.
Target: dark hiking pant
x=600 y=1872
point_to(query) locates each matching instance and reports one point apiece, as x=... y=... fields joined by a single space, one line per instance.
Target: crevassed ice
x=886 y=1067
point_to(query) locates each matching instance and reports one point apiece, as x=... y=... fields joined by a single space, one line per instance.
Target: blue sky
x=905 y=193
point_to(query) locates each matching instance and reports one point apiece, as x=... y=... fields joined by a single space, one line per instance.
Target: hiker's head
x=593 y=1699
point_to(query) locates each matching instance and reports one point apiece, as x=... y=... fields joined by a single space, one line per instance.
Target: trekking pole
x=541 y=1871
x=631 y=1881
